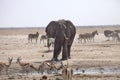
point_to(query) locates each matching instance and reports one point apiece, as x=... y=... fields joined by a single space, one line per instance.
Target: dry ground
x=101 y=53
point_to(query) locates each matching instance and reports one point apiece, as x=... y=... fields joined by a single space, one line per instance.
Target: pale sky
x=37 y=13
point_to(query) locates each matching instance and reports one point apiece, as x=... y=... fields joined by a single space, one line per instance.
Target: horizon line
x=29 y=27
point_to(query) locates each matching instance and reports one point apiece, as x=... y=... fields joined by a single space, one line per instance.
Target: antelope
x=35 y=68
x=67 y=72
x=5 y=65
x=41 y=68
x=25 y=66
x=47 y=66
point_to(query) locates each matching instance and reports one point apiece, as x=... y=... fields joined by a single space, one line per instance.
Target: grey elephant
x=64 y=32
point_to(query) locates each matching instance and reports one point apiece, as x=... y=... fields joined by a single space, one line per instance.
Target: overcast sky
x=36 y=13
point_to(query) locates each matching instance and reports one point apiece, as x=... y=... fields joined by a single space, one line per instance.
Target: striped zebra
x=50 y=41
x=82 y=38
x=33 y=36
x=43 y=37
x=107 y=34
x=92 y=35
x=115 y=37
x=118 y=31
x=88 y=37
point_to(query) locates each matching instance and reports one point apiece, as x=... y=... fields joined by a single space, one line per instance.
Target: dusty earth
x=101 y=54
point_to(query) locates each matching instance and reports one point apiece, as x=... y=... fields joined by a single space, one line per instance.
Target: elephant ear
x=50 y=29
x=70 y=24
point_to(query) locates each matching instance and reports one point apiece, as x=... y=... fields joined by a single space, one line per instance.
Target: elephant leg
x=65 y=51
x=57 y=50
x=69 y=47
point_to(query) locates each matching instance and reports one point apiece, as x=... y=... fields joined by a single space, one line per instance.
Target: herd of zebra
x=89 y=37
x=50 y=41
x=83 y=38
x=114 y=34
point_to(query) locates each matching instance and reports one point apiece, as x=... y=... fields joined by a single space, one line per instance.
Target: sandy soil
x=100 y=54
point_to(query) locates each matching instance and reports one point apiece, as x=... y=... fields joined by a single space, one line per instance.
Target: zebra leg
x=43 y=41
x=36 y=40
x=31 y=40
x=108 y=38
x=84 y=41
x=80 y=41
x=93 y=40
x=28 y=40
x=90 y=39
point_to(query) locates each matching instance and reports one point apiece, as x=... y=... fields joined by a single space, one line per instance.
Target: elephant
x=64 y=32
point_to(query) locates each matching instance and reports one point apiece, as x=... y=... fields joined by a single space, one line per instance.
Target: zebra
x=92 y=35
x=50 y=41
x=43 y=37
x=107 y=34
x=82 y=37
x=33 y=36
x=88 y=36
x=118 y=31
x=115 y=36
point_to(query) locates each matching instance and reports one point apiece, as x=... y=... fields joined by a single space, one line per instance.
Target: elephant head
x=63 y=31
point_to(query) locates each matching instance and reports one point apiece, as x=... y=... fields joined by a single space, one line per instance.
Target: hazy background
x=38 y=13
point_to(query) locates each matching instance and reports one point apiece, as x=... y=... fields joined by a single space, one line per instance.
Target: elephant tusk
x=65 y=36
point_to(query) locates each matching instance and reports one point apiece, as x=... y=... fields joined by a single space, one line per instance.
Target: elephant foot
x=54 y=59
x=69 y=57
x=64 y=59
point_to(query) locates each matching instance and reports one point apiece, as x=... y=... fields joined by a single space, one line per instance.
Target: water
x=89 y=71
x=93 y=71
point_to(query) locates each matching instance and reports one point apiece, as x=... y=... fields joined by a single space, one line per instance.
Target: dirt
x=98 y=54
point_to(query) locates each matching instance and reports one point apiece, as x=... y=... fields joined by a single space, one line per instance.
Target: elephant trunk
x=59 y=41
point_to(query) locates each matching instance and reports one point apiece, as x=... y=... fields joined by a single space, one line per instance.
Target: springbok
x=35 y=68
x=33 y=36
x=25 y=66
x=41 y=68
x=5 y=65
x=67 y=72
x=48 y=67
